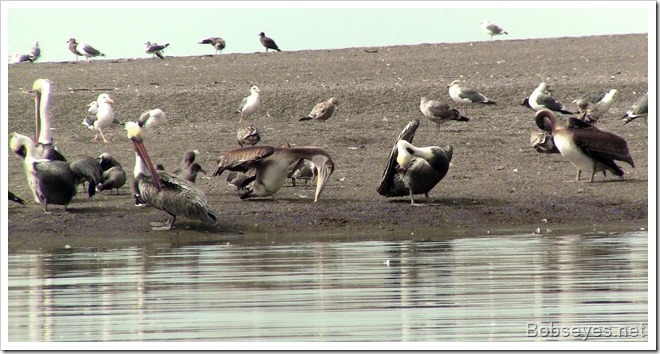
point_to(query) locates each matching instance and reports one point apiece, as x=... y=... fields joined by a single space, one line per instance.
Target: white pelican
x=268 y=43
x=217 y=43
x=270 y=166
x=51 y=181
x=250 y=104
x=439 y=112
x=588 y=148
x=163 y=190
x=466 y=95
x=323 y=110
x=44 y=148
x=413 y=170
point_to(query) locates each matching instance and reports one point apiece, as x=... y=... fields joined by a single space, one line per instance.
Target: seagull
x=250 y=104
x=268 y=43
x=21 y=58
x=542 y=98
x=638 y=109
x=323 y=110
x=35 y=52
x=152 y=118
x=84 y=49
x=466 y=95
x=91 y=116
x=583 y=102
x=247 y=135
x=438 y=112
x=104 y=116
x=598 y=109
x=492 y=29
x=73 y=47
x=217 y=43
x=155 y=49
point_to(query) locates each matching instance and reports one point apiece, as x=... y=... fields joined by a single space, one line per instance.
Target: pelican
x=588 y=148
x=638 y=109
x=163 y=190
x=250 y=104
x=247 y=135
x=114 y=176
x=465 y=95
x=492 y=29
x=542 y=98
x=323 y=110
x=44 y=148
x=413 y=170
x=594 y=112
x=438 y=112
x=51 y=182
x=268 y=43
x=188 y=159
x=270 y=166
x=155 y=49
x=217 y=43
x=16 y=199
x=239 y=179
x=87 y=169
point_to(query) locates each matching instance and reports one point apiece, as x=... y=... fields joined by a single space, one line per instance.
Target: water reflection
x=461 y=289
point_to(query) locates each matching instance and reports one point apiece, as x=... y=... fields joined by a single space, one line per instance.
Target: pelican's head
x=20 y=144
x=40 y=85
x=404 y=154
x=134 y=132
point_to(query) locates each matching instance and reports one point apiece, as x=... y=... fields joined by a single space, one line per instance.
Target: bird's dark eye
x=410 y=151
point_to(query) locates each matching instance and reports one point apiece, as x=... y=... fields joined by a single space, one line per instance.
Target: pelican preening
x=114 y=176
x=268 y=43
x=639 y=109
x=323 y=110
x=87 y=169
x=466 y=96
x=542 y=98
x=413 y=170
x=250 y=104
x=492 y=29
x=155 y=49
x=588 y=148
x=163 y=190
x=217 y=43
x=247 y=135
x=44 y=148
x=51 y=181
x=270 y=167
x=438 y=112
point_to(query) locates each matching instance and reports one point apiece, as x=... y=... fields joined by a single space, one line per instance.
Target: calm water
x=495 y=288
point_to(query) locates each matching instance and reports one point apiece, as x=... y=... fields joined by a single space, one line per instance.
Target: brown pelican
x=413 y=170
x=438 y=112
x=87 y=169
x=217 y=43
x=323 y=110
x=492 y=29
x=542 y=98
x=114 y=176
x=155 y=49
x=163 y=190
x=465 y=95
x=585 y=146
x=248 y=135
x=16 y=199
x=44 y=148
x=188 y=159
x=250 y=104
x=268 y=43
x=270 y=166
x=302 y=169
x=51 y=182
x=239 y=179
x=638 y=109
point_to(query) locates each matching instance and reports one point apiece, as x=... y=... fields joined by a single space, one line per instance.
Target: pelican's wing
x=602 y=146
x=243 y=159
x=387 y=179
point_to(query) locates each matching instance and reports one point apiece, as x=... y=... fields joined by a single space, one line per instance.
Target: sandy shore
x=496 y=181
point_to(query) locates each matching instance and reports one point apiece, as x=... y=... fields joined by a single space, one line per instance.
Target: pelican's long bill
x=134 y=132
x=325 y=169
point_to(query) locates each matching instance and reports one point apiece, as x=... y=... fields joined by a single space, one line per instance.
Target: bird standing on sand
x=466 y=96
x=73 y=47
x=413 y=170
x=217 y=43
x=250 y=104
x=597 y=110
x=541 y=98
x=35 y=52
x=155 y=49
x=588 y=148
x=114 y=176
x=438 y=112
x=152 y=118
x=638 y=109
x=492 y=29
x=45 y=148
x=247 y=135
x=268 y=43
x=323 y=110
x=83 y=49
x=105 y=116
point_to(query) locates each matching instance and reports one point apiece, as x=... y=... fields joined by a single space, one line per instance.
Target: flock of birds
x=156 y=50
x=261 y=171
